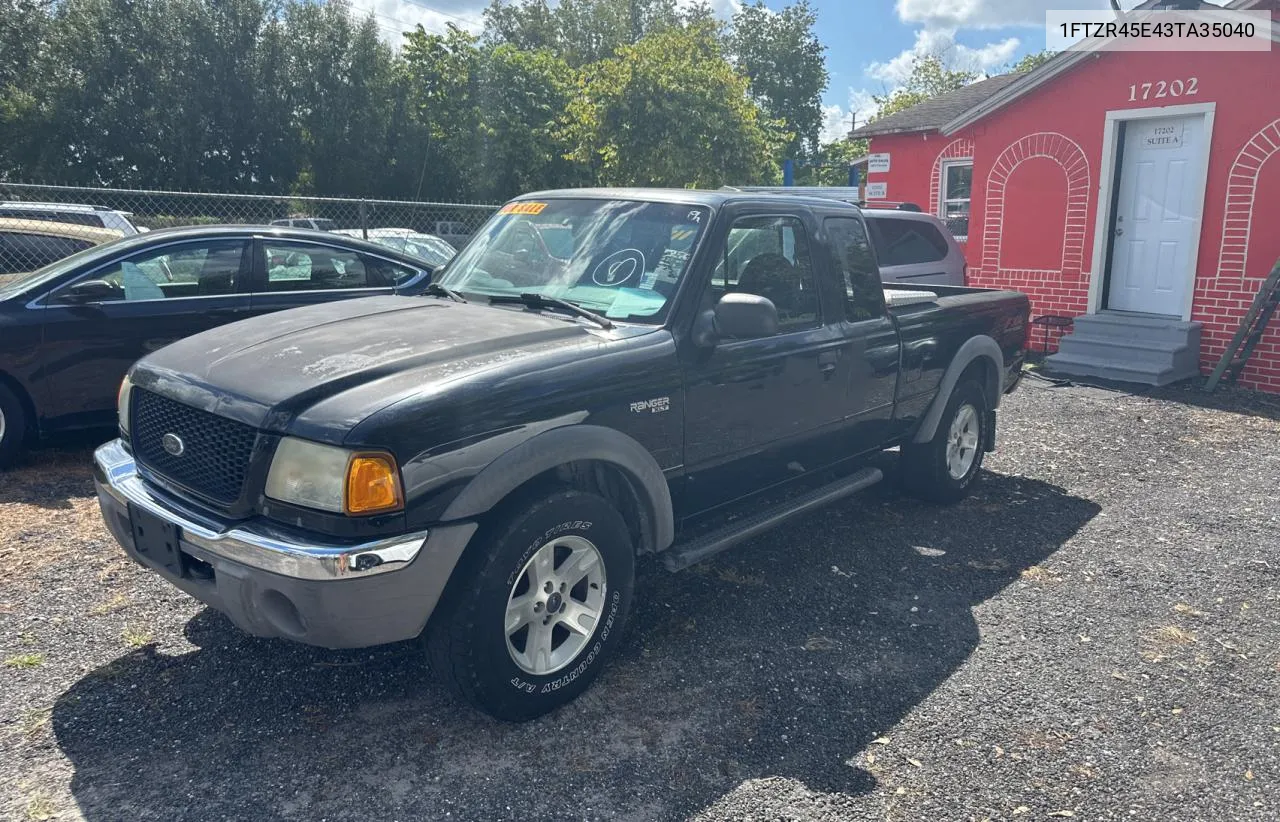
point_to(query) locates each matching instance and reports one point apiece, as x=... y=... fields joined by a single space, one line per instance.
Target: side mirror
x=90 y=291
x=745 y=317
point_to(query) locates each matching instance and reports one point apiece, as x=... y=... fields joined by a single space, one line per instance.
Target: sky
x=870 y=43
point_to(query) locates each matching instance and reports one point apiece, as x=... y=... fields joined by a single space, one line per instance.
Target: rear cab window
x=906 y=242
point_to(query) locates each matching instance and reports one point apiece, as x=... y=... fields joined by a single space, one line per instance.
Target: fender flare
x=973 y=349
x=558 y=446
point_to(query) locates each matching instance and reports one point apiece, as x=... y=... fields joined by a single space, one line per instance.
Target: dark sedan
x=70 y=330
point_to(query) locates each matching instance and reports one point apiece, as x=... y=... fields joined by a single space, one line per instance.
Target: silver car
x=914 y=247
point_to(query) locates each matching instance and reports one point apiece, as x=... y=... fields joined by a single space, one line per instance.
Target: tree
x=1030 y=61
x=523 y=96
x=831 y=163
x=670 y=111
x=786 y=66
x=929 y=78
x=443 y=76
x=580 y=31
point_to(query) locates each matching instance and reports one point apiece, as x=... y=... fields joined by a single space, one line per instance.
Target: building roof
x=933 y=113
x=948 y=113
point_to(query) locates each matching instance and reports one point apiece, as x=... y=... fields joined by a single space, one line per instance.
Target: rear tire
x=945 y=468
x=13 y=428
x=539 y=606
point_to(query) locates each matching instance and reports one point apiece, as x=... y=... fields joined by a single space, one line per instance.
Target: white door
x=1156 y=215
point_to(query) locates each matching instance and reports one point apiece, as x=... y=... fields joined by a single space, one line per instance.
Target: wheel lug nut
x=537 y=606
x=563 y=585
x=549 y=587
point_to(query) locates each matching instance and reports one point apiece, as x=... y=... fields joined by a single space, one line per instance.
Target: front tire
x=945 y=468
x=539 y=607
x=13 y=428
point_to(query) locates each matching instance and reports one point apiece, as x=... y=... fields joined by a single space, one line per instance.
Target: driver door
x=761 y=411
x=161 y=295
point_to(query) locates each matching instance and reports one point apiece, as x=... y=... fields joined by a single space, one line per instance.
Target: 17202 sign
x=1161 y=89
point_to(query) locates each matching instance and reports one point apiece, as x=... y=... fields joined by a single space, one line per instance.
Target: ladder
x=1250 y=332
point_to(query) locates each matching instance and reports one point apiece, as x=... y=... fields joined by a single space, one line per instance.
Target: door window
x=864 y=294
x=769 y=257
x=306 y=267
x=957 y=186
x=907 y=242
x=193 y=270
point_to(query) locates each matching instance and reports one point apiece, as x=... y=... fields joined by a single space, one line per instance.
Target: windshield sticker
x=682 y=236
x=522 y=208
x=618 y=267
x=695 y=216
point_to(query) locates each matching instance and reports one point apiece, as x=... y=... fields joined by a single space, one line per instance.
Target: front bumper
x=271 y=582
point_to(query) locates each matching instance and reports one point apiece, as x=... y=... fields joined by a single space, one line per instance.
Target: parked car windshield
x=620 y=258
x=425 y=246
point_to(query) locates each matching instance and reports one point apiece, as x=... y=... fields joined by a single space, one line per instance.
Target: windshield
x=619 y=258
x=424 y=246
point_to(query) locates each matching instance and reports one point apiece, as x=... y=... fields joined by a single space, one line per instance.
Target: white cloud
x=397 y=16
x=836 y=118
x=723 y=9
x=956 y=56
x=995 y=14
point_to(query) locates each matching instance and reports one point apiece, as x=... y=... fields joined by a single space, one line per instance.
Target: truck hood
x=266 y=370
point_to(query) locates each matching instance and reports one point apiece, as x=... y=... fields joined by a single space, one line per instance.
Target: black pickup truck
x=598 y=375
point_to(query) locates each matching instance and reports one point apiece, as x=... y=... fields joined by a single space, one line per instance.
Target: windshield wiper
x=534 y=300
x=437 y=290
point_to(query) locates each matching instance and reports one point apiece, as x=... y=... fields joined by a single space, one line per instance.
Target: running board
x=682 y=555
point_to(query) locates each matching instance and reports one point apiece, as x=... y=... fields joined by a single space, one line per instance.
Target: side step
x=682 y=555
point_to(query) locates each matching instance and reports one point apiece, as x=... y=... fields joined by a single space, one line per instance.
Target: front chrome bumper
x=117 y=475
x=271 y=584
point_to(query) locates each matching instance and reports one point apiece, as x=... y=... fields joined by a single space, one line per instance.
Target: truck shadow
x=785 y=657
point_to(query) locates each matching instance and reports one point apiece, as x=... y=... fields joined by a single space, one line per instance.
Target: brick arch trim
x=1242 y=188
x=1069 y=156
x=959 y=149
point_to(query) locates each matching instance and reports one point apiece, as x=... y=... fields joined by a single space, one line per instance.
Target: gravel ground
x=1092 y=635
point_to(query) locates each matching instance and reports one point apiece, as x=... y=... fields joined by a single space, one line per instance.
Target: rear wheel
x=538 y=608
x=13 y=427
x=944 y=468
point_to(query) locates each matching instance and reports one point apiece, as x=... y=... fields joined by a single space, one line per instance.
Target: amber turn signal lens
x=373 y=485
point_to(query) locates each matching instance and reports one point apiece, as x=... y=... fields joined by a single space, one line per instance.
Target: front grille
x=215 y=450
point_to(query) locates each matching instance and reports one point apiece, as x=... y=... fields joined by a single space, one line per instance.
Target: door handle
x=827 y=363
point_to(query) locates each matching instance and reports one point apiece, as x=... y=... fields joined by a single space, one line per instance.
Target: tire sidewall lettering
x=539 y=541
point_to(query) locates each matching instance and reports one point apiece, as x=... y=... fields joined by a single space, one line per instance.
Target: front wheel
x=944 y=468
x=539 y=608
x=13 y=428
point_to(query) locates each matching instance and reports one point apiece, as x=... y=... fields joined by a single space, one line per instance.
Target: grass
x=117 y=603
x=135 y=638
x=25 y=661
x=1174 y=635
x=1040 y=574
x=40 y=807
x=33 y=720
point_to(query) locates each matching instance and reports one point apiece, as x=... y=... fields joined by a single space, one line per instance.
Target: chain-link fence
x=40 y=224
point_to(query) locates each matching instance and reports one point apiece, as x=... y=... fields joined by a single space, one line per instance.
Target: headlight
x=122 y=403
x=334 y=479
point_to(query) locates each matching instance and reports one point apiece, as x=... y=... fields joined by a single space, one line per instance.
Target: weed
x=136 y=638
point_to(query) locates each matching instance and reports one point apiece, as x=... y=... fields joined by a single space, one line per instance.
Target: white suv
x=73 y=213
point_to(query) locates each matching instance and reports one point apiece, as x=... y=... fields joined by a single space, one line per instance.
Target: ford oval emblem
x=173 y=445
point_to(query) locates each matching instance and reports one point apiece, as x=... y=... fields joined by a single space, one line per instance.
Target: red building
x=1138 y=192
